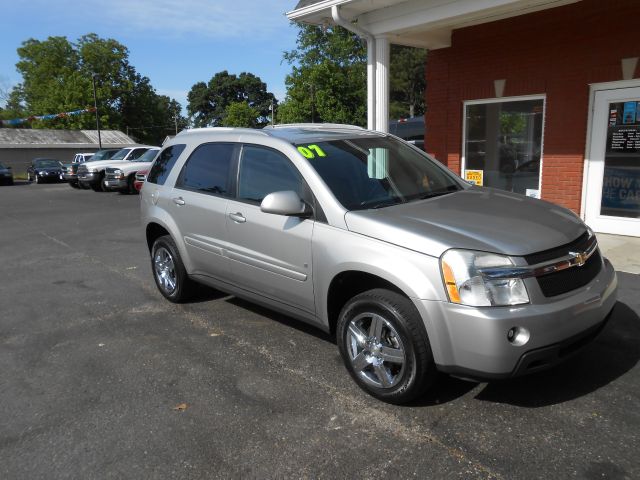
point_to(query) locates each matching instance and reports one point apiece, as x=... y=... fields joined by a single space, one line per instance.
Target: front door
x=270 y=254
x=613 y=179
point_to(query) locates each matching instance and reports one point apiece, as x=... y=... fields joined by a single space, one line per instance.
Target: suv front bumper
x=89 y=178
x=472 y=342
x=115 y=183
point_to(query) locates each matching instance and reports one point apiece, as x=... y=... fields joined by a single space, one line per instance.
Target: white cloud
x=212 y=18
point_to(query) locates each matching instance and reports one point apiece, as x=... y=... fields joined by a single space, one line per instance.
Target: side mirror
x=286 y=203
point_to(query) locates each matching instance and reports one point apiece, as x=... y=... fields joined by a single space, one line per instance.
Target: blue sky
x=175 y=43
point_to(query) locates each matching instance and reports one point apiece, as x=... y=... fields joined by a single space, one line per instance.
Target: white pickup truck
x=93 y=174
x=121 y=177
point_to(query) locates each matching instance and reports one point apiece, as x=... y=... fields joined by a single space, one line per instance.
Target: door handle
x=178 y=201
x=237 y=217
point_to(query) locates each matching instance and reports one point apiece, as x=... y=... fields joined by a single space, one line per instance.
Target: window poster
x=629 y=113
x=621 y=180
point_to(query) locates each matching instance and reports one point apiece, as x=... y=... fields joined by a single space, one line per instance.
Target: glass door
x=613 y=178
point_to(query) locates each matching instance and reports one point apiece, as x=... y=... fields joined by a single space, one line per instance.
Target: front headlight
x=465 y=284
x=118 y=173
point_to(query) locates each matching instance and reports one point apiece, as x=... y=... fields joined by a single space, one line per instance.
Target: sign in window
x=621 y=180
x=503 y=144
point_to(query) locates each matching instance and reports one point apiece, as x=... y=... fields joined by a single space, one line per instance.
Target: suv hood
x=476 y=218
x=100 y=164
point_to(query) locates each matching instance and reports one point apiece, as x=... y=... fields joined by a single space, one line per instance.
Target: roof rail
x=190 y=131
x=317 y=126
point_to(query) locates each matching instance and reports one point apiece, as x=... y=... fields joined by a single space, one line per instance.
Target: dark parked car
x=409 y=129
x=6 y=175
x=45 y=170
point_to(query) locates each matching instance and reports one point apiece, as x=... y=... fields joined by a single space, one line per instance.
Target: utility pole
x=273 y=114
x=313 y=104
x=95 y=104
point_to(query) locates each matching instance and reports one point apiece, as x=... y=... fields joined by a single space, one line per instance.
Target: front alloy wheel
x=375 y=350
x=384 y=345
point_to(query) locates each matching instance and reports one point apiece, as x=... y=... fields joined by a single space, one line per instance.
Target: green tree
x=407 y=81
x=328 y=82
x=208 y=103
x=58 y=77
x=240 y=114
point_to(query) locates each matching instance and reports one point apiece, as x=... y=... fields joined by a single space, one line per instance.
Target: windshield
x=374 y=172
x=147 y=156
x=102 y=155
x=46 y=163
x=121 y=154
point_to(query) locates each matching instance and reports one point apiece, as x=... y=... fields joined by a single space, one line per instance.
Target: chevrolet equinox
x=367 y=237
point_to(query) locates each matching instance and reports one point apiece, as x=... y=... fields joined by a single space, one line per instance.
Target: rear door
x=198 y=205
x=270 y=254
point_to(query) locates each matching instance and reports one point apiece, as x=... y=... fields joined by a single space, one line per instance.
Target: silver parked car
x=367 y=237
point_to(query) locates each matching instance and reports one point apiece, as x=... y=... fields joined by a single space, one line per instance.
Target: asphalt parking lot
x=103 y=378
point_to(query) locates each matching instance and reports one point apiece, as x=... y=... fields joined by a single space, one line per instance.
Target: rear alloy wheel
x=385 y=347
x=168 y=271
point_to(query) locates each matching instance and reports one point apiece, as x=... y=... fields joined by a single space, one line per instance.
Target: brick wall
x=556 y=52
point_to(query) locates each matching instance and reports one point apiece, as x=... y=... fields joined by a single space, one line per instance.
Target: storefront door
x=612 y=203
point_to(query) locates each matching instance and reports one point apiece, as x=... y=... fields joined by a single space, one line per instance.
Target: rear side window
x=207 y=169
x=164 y=163
x=264 y=171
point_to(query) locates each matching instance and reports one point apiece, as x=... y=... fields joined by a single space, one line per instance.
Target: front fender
x=336 y=250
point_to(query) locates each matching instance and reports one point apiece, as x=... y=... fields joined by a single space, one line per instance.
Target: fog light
x=518 y=336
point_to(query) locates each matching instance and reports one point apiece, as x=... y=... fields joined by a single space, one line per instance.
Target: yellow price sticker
x=474 y=177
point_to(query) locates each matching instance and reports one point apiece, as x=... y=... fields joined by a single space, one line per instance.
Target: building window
x=503 y=144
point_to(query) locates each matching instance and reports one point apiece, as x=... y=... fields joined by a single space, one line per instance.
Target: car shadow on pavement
x=18 y=183
x=203 y=293
x=283 y=319
x=610 y=356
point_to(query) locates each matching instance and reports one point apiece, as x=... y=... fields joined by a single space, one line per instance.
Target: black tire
x=183 y=287
x=131 y=189
x=375 y=359
x=96 y=188
x=74 y=184
x=103 y=186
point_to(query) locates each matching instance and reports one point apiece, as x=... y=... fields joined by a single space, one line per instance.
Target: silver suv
x=366 y=237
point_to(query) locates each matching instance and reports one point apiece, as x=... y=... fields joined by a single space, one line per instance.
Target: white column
x=371 y=83
x=382 y=84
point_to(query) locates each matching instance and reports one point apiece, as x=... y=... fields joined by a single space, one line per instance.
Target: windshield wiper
x=380 y=204
x=437 y=193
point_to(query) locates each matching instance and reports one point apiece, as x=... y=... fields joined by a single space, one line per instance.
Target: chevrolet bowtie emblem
x=580 y=258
